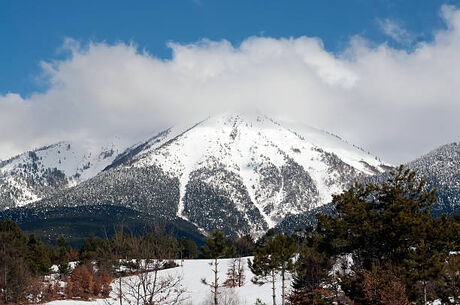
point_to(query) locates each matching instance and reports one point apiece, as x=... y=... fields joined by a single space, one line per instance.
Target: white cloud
x=396 y=103
x=394 y=30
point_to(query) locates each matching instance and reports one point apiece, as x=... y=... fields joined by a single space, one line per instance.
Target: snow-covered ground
x=192 y=272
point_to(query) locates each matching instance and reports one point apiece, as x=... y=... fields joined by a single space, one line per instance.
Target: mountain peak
x=277 y=169
x=243 y=169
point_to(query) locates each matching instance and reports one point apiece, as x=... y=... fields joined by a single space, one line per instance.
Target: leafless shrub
x=227 y=296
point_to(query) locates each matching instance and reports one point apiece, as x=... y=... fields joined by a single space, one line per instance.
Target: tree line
x=381 y=245
x=88 y=271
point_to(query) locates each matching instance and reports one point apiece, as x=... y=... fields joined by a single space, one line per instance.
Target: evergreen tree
x=215 y=247
x=61 y=241
x=264 y=266
x=422 y=267
x=90 y=247
x=311 y=271
x=188 y=247
x=37 y=256
x=390 y=222
x=284 y=250
x=450 y=290
x=244 y=246
x=13 y=244
x=63 y=258
x=274 y=256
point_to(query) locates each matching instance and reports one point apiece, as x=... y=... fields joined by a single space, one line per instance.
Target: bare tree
x=227 y=296
x=148 y=289
x=235 y=273
x=153 y=253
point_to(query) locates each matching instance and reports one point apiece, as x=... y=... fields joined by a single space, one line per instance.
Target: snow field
x=192 y=272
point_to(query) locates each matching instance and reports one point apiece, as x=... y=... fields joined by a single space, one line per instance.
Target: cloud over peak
x=397 y=103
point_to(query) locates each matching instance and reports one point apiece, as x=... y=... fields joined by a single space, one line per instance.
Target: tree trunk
x=240 y=273
x=273 y=287
x=283 y=287
x=5 y=272
x=121 y=294
x=6 y=283
x=144 y=287
x=216 y=286
x=424 y=292
x=154 y=285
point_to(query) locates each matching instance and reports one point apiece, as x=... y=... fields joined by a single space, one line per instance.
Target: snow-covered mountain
x=237 y=173
x=281 y=170
x=36 y=174
x=440 y=168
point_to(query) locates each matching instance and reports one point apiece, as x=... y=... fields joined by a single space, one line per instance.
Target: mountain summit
x=232 y=172
x=239 y=173
x=252 y=158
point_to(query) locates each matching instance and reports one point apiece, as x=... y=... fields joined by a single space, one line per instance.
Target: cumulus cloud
x=398 y=104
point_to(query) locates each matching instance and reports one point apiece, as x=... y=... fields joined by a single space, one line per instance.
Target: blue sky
x=382 y=74
x=33 y=31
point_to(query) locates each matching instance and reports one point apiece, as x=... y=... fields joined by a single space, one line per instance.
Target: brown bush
x=80 y=282
x=52 y=292
x=34 y=289
x=76 y=278
x=381 y=286
x=72 y=255
x=87 y=278
x=68 y=290
x=105 y=279
x=84 y=283
x=97 y=286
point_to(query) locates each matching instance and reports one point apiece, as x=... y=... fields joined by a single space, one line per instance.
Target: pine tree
x=214 y=247
x=423 y=265
x=188 y=248
x=284 y=251
x=451 y=281
x=378 y=222
x=390 y=222
x=37 y=256
x=62 y=257
x=14 y=275
x=274 y=256
x=244 y=246
x=311 y=271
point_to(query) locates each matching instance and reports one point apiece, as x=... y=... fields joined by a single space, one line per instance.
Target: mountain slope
x=76 y=223
x=282 y=170
x=37 y=174
x=441 y=170
x=237 y=173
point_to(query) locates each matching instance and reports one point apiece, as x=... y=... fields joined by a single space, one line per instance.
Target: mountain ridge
x=440 y=169
x=240 y=173
x=36 y=174
x=229 y=169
